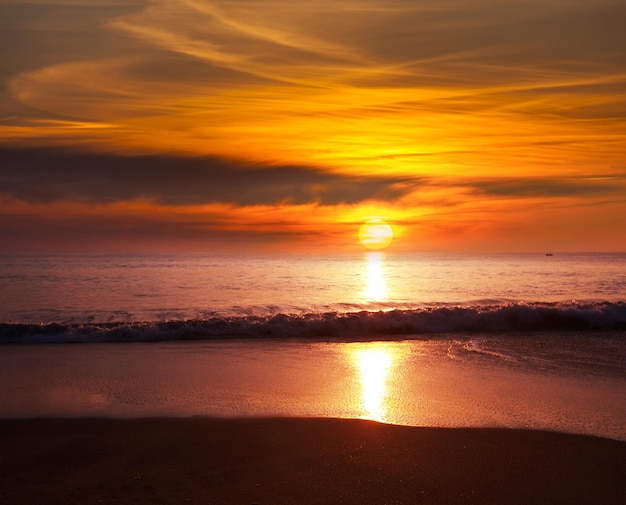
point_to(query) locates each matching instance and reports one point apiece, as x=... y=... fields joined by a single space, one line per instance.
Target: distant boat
x=549 y=254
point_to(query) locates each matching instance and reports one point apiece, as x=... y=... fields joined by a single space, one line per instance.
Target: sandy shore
x=300 y=461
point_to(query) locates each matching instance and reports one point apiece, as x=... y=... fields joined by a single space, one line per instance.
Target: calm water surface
x=146 y=288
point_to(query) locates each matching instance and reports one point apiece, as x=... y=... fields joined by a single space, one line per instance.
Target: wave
x=509 y=317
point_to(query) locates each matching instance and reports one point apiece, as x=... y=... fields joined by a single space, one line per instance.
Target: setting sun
x=375 y=234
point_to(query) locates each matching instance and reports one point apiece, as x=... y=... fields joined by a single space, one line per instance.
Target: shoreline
x=300 y=461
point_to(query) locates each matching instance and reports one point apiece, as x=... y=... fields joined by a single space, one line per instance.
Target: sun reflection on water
x=374 y=363
x=376 y=288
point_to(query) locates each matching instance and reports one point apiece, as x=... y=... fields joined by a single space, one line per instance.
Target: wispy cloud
x=396 y=74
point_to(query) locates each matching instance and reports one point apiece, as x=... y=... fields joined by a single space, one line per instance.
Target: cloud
x=48 y=175
x=364 y=85
x=275 y=118
x=551 y=187
x=443 y=44
x=132 y=230
x=144 y=226
x=44 y=33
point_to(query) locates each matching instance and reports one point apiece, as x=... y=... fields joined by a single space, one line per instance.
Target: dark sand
x=300 y=461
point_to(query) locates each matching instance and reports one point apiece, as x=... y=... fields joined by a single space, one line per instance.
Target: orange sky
x=198 y=125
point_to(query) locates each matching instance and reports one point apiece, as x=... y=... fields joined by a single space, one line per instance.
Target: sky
x=274 y=125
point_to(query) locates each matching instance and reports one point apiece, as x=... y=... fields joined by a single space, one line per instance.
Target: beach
x=153 y=380
x=368 y=252
x=300 y=461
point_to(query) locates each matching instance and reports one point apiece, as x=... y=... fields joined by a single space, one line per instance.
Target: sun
x=375 y=234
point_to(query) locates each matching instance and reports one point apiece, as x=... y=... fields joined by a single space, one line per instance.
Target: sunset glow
x=376 y=286
x=375 y=234
x=206 y=125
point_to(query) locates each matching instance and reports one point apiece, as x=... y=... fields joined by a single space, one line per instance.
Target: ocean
x=513 y=340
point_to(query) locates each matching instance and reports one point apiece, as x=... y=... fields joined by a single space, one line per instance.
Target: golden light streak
x=376 y=287
x=374 y=365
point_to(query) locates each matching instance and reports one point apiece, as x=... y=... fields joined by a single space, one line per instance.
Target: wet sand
x=300 y=461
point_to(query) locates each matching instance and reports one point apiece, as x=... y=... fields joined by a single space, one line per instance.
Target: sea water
x=528 y=341
x=245 y=294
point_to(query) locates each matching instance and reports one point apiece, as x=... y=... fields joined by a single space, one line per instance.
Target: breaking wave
x=510 y=317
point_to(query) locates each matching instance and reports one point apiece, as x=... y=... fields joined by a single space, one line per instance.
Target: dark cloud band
x=550 y=187
x=47 y=174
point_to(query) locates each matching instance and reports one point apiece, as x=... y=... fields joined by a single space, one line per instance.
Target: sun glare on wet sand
x=374 y=365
